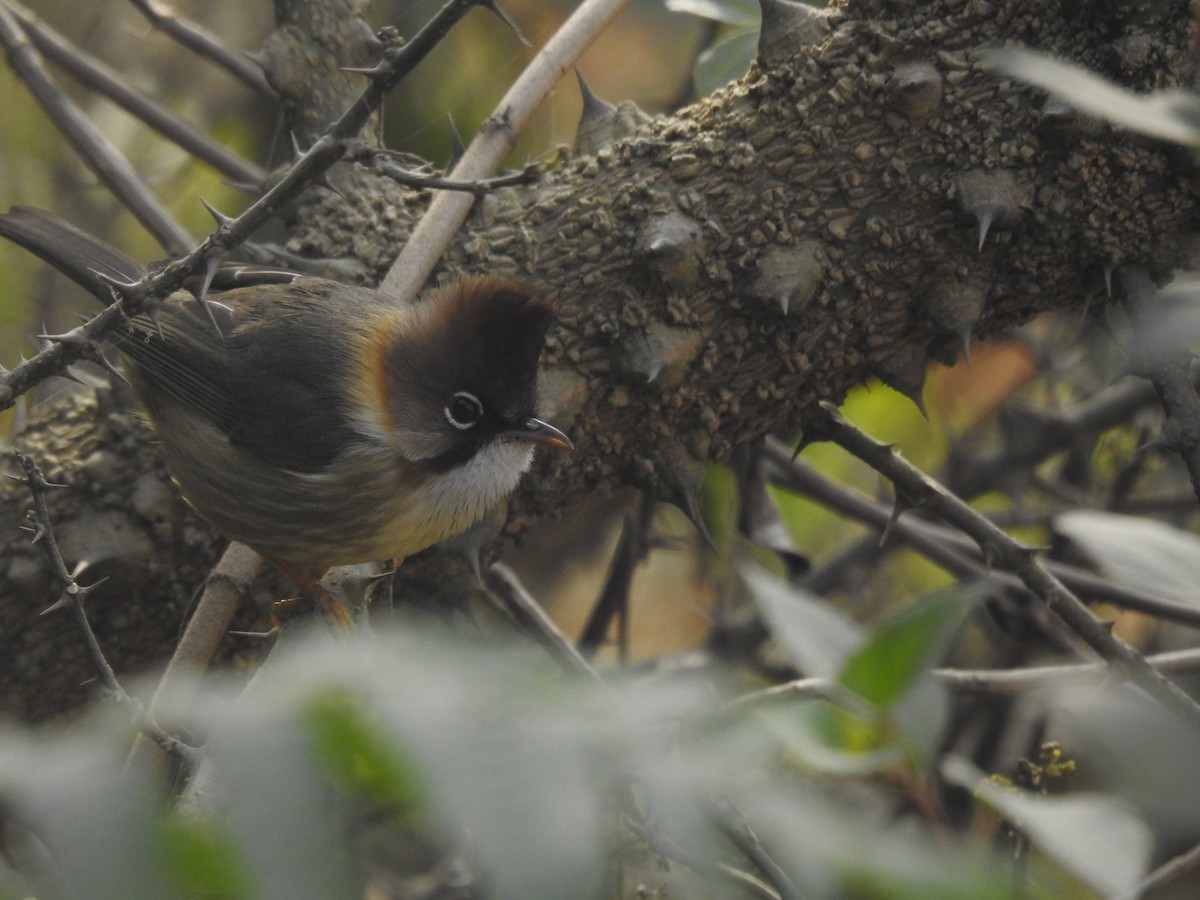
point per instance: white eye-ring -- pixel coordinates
(463, 410)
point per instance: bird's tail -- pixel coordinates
(84, 259)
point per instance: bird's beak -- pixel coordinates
(540, 432)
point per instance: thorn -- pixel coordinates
(786, 27)
(494, 8)
(83, 591)
(593, 106)
(1158, 442)
(905, 375)
(64, 601)
(220, 217)
(985, 215)
(70, 376)
(991, 197)
(596, 120)
(691, 509)
(73, 338)
(802, 445)
(964, 335)
(211, 263)
(113, 370)
(898, 509)
(246, 187)
(126, 289)
(324, 182)
(1028, 553)
(371, 72)
(297, 153)
(457, 148)
(155, 317)
(685, 496)
(1087, 307)
(262, 635)
(679, 481)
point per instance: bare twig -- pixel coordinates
(74, 595)
(227, 584)
(703, 865)
(613, 601)
(492, 143)
(1012, 681)
(919, 489)
(101, 156)
(505, 585)
(1166, 874)
(204, 43)
(731, 823)
(383, 162)
(974, 681)
(102, 78)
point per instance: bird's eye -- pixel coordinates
(463, 410)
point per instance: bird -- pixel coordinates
(321, 423)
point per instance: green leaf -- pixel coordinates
(358, 753)
(888, 665)
(202, 861)
(1172, 115)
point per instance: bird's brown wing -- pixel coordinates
(269, 365)
(263, 361)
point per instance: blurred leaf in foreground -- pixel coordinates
(1172, 115)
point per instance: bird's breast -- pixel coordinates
(438, 505)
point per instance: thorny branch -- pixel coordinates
(918, 489)
(384, 162)
(949, 548)
(73, 597)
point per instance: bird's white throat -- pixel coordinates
(460, 496)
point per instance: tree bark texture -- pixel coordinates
(721, 270)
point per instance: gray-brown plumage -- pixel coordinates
(322, 423)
